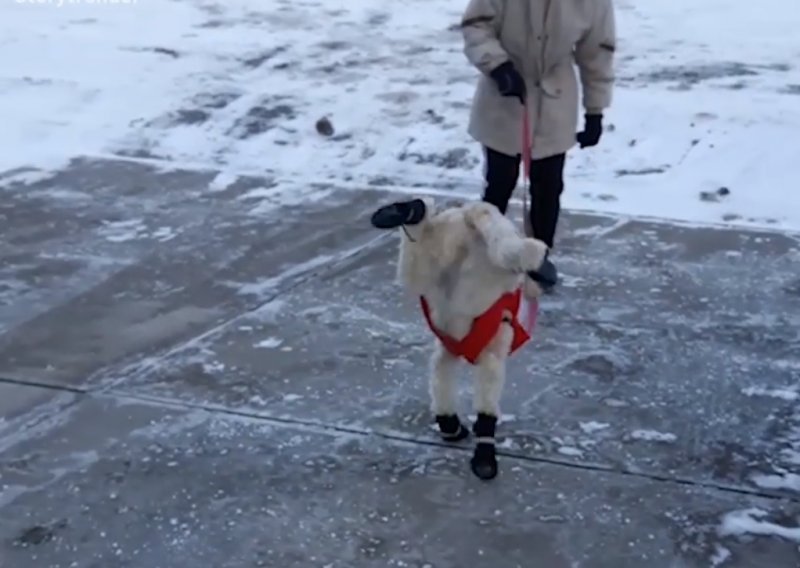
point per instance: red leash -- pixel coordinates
(526, 168)
(530, 308)
(526, 143)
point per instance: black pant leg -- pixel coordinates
(547, 184)
(501, 172)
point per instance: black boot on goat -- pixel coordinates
(484, 459)
(451, 428)
(398, 214)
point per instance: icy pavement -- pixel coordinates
(707, 97)
(197, 370)
(204, 361)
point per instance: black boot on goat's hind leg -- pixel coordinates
(451, 428)
(399, 213)
(484, 459)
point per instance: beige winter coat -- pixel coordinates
(544, 39)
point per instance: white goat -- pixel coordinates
(470, 267)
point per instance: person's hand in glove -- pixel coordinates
(592, 130)
(509, 82)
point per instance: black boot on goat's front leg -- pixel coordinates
(399, 213)
(484, 460)
(451, 428)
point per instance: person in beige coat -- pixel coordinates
(528, 52)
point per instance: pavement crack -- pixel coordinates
(322, 427)
(41, 385)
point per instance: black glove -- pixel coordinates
(592, 130)
(509, 82)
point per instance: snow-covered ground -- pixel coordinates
(708, 97)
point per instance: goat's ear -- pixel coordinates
(477, 215)
(483, 218)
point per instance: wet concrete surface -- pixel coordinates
(198, 373)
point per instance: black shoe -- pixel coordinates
(400, 213)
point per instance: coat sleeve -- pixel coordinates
(594, 55)
(479, 26)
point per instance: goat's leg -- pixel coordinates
(490, 375)
(444, 367)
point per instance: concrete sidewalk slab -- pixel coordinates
(260, 321)
(143, 260)
(169, 487)
(19, 401)
(705, 392)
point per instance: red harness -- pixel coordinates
(484, 328)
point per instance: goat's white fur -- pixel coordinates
(462, 259)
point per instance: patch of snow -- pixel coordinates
(292, 397)
(592, 427)
(653, 436)
(268, 285)
(171, 426)
(750, 522)
(778, 481)
(269, 312)
(213, 367)
(787, 364)
(569, 281)
(222, 181)
(721, 555)
(402, 362)
(259, 193)
(269, 343)
(134, 229)
(90, 76)
(784, 393)
(25, 177)
(83, 79)
(122, 231)
(63, 193)
(506, 444)
(164, 234)
(792, 456)
(570, 451)
(502, 419)
(288, 194)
